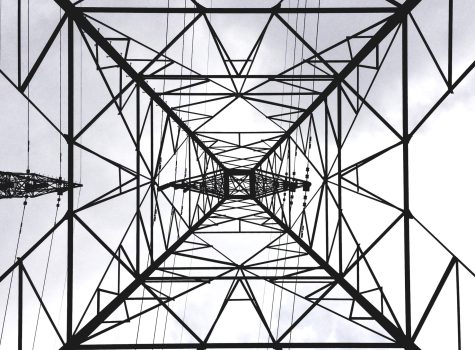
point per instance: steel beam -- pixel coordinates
(236, 10)
(392, 22)
(405, 169)
(83, 23)
(70, 213)
(401, 339)
(82, 335)
(277, 346)
(403, 336)
(20, 307)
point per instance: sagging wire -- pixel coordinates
(176, 170)
(25, 202)
(60, 177)
(307, 168)
(264, 292)
(207, 61)
(11, 276)
(289, 167)
(46, 273)
(280, 238)
(160, 161)
(80, 156)
(186, 156)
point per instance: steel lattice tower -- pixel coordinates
(236, 175)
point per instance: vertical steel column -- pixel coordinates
(189, 176)
(327, 241)
(19, 43)
(137, 180)
(450, 44)
(252, 183)
(226, 183)
(340, 210)
(405, 151)
(152, 181)
(459, 323)
(20, 306)
(70, 286)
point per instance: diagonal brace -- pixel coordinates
(385, 323)
(83, 23)
(393, 21)
(83, 334)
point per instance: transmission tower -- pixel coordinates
(235, 174)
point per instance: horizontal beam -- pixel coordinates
(236, 10)
(290, 279)
(206, 268)
(232, 94)
(245, 346)
(240, 76)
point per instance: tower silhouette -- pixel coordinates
(237, 175)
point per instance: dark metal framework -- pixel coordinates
(190, 181)
(21, 185)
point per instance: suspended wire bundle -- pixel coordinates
(176, 170)
(43, 286)
(159, 162)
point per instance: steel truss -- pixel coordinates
(199, 194)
